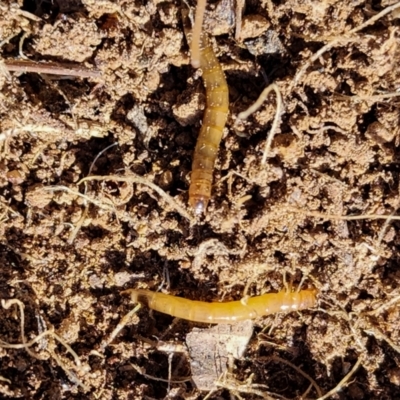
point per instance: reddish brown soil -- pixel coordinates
(67, 258)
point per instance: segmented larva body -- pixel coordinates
(215, 116)
(216, 313)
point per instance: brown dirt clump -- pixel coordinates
(129, 117)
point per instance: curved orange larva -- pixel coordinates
(215, 116)
(233, 311)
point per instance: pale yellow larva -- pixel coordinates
(229, 312)
(215, 116)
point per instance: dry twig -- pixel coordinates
(52, 68)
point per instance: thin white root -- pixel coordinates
(6, 304)
(343, 383)
(154, 378)
(2, 379)
(385, 306)
(381, 336)
(275, 123)
(143, 181)
(3, 69)
(239, 13)
(297, 369)
(316, 214)
(386, 225)
(211, 247)
(124, 321)
(66, 189)
(236, 387)
(344, 38)
(374, 97)
(81, 221)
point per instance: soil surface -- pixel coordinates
(130, 116)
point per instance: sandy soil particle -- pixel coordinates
(68, 249)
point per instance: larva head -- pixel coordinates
(307, 298)
(199, 204)
(200, 188)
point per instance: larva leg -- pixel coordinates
(244, 300)
(303, 278)
(285, 284)
(245, 297)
